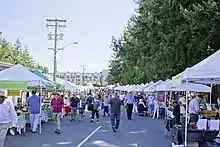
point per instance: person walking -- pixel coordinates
(82, 105)
(57, 104)
(156, 108)
(115, 104)
(95, 110)
(34, 103)
(8, 117)
(74, 104)
(129, 103)
(150, 102)
(106, 106)
(89, 102)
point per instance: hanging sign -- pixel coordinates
(161, 97)
(13, 92)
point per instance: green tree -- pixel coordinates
(16, 54)
(163, 38)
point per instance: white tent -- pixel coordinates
(206, 71)
(152, 86)
(72, 87)
(167, 86)
(147, 85)
(82, 87)
(20, 73)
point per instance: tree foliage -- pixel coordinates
(16, 54)
(97, 84)
(163, 38)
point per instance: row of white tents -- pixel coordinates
(164, 86)
(204, 72)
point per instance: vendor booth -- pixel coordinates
(20, 78)
(205, 72)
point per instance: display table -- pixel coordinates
(193, 135)
(168, 124)
(44, 116)
(21, 124)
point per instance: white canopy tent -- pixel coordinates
(147, 85)
(139, 87)
(152, 86)
(206, 71)
(72, 87)
(20, 73)
(167, 86)
(82, 87)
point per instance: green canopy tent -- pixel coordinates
(49, 84)
(59, 82)
(13, 85)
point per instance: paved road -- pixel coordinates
(143, 131)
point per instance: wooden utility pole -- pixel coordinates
(56, 24)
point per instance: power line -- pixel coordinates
(56, 24)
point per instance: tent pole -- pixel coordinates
(165, 94)
(186, 117)
(40, 120)
(170, 97)
(210, 99)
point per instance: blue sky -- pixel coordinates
(91, 23)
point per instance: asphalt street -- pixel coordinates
(141, 132)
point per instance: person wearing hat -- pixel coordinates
(8, 117)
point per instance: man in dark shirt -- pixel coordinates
(74, 103)
(115, 103)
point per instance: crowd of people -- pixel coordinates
(104, 102)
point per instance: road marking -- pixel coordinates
(89, 136)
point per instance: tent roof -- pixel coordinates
(41, 75)
(167, 86)
(58, 80)
(18, 73)
(152, 86)
(207, 71)
(72, 87)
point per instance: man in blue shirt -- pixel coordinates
(129, 103)
(34, 103)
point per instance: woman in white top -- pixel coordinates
(8, 117)
(156, 108)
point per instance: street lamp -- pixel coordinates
(65, 46)
(56, 50)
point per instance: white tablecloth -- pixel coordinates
(44, 115)
(21, 124)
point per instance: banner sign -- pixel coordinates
(161, 96)
(13, 92)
